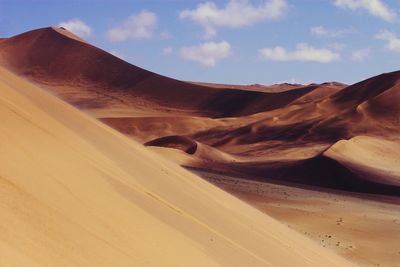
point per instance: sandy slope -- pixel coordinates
(374, 158)
(76, 193)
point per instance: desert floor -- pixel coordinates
(359, 227)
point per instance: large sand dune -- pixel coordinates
(76, 193)
(55, 57)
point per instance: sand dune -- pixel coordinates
(374, 158)
(275, 88)
(253, 87)
(76, 193)
(363, 91)
(70, 64)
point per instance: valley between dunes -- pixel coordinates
(319, 163)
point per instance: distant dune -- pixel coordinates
(70, 64)
(328, 138)
(275, 88)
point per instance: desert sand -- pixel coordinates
(76, 193)
(362, 228)
(332, 147)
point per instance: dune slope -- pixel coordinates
(373, 158)
(77, 193)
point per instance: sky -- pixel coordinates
(229, 41)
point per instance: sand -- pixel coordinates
(374, 158)
(362, 228)
(74, 192)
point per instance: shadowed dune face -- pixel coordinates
(363, 91)
(178, 142)
(322, 172)
(385, 106)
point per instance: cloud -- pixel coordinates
(166, 51)
(236, 13)
(393, 42)
(303, 52)
(138, 26)
(360, 55)
(376, 8)
(331, 33)
(77, 27)
(207, 54)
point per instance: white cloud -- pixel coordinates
(207, 54)
(376, 8)
(303, 52)
(237, 13)
(332, 33)
(77, 27)
(166, 51)
(393, 42)
(138, 26)
(360, 55)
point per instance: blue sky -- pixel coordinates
(230, 41)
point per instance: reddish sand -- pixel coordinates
(321, 137)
